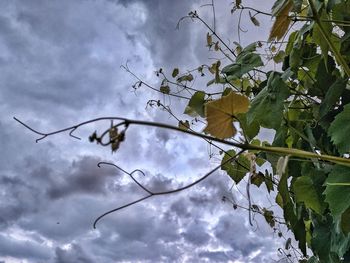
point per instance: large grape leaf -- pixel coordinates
(340, 129)
(338, 195)
(267, 107)
(220, 114)
(305, 191)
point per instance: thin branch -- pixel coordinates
(150, 193)
(130, 175)
(255, 10)
(126, 68)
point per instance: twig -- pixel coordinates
(151, 193)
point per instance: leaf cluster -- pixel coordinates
(307, 104)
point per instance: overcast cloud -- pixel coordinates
(60, 65)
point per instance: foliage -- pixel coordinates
(307, 104)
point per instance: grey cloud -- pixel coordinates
(218, 256)
(18, 198)
(74, 254)
(83, 176)
(172, 47)
(23, 249)
(58, 58)
(196, 233)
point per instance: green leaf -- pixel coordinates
(236, 169)
(164, 89)
(318, 36)
(269, 217)
(332, 96)
(183, 78)
(324, 78)
(250, 48)
(338, 196)
(250, 130)
(279, 57)
(320, 242)
(345, 221)
(313, 259)
(175, 72)
(297, 4)
(292, 38)
(245, 62)
(257, 179)
(305, 191)
(340, 129)
(196, 105)
(267, 107)
(345, 45)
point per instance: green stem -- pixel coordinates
(340, 59)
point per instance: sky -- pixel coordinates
(60, 65)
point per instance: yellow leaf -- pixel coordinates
(282, 22)
(209, 40)
(220, 114)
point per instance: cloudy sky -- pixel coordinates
(60, 65)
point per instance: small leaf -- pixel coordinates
(238, 3)
(236, 169)
(175, 72)
(220, 114)
(184, 125)
(254, 20)
(187, 77)
(196, 104)
(268, 214)
(288, 243)
(114, 138)
(209, 40)
(257, 179)
(165, 89)
(216, 47)
(279, 57)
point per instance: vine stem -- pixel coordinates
(340, 59)
(244, 146)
